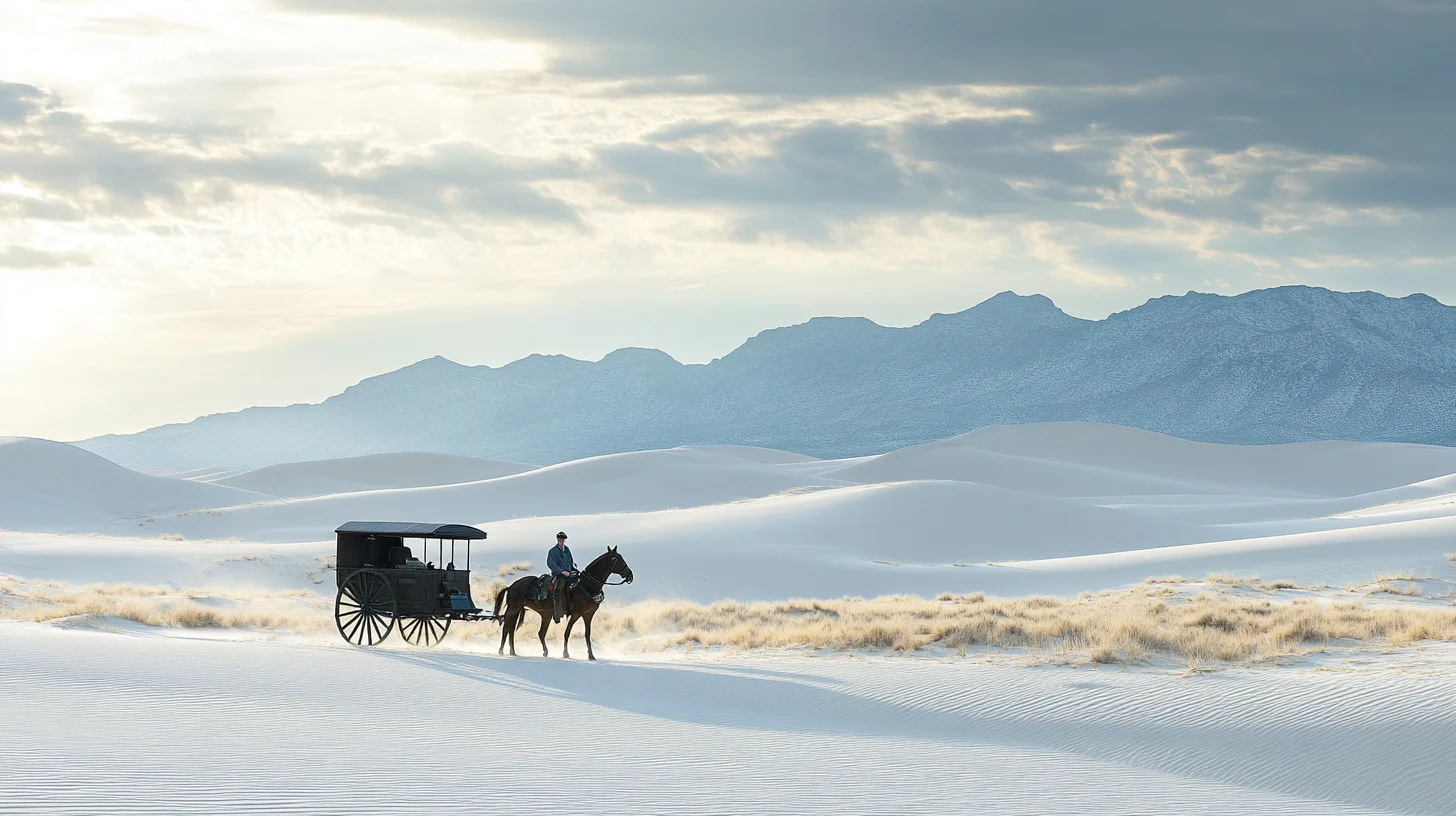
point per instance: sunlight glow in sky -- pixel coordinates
(206, 206)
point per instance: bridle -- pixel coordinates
(626, 579)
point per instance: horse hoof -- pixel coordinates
(589, 657)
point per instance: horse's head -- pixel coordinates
(618, 565)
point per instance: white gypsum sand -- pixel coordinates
(197, 671)
(127, 722)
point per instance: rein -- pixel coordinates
(601, 582)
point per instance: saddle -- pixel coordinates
(540, 590)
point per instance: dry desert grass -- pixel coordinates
(507, 570)
(1126, 626)
(296, 611)
(1395, 588)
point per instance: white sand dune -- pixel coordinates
(769, 456)
(204, 721)
(166, 725)
(351, 474)
(959, 460)
(1084, 459)
(861, 540)
(1319, 468)
(821, 544)
(1059, 508)
(53, 486)
(202, 474)
(628, 482)
(233, 564)
(706, 554)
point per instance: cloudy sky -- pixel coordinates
(205, 206)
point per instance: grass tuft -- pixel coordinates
(507, 570)
(1128, 626)
(1229, 579)
(1123, 627)
(1393, 588)
(295, 611)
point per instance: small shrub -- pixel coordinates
(1231, 580)
(1406, 589)
(507, 570)
(1114, 627)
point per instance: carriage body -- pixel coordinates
(382, 580)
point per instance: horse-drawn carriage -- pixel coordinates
(381, 581)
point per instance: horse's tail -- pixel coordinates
(499, 599)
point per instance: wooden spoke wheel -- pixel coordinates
(423, 630)
(364, 610)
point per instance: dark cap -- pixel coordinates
(560, 535)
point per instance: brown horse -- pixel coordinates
(582, 603)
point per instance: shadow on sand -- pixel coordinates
(1295, 760)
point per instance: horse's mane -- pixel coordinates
(597, 560)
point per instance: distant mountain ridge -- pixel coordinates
(1274, 365)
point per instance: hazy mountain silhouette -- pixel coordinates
(1276, 365)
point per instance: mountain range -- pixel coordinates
(1275, 365)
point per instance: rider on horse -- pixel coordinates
(562, 567)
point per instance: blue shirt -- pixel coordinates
(559, 560)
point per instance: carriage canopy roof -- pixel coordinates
(409, 529)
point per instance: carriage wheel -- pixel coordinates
(364, 610)
(424, 630)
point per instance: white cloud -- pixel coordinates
(255, 198)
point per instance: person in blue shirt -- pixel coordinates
(562, 568)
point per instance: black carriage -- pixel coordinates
(383, 581)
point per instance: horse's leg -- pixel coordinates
(516, 624)
(566, 641)
(589, 655)
(507, 623)
(545, 623)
